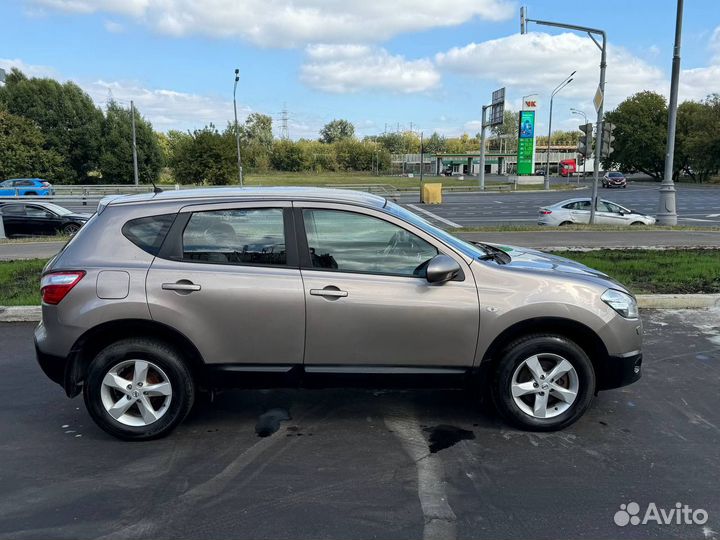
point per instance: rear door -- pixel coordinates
(369, 305)
(227, 277)
(580, 212)
(14, 219)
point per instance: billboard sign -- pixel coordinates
(498, 107)
(526, 143)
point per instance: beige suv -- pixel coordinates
(163, 295)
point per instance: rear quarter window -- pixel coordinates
(148, 233)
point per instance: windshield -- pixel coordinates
(59, 210)
(616, 175)
(463, 247)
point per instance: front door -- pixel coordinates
(367, 300)
(228, 279)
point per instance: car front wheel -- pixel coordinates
(138, 389)
(543, 383)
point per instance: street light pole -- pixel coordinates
(237, 129)
(134, 143)
(591, 32)
(559, 87)
(576, 111)
(667, 213)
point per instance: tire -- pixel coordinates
(513, 371)
(70, 229)
(116, 366)
(565, 223)
(637, 223)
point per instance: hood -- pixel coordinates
(531, 259)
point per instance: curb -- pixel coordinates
(678, 301)
(645, 301)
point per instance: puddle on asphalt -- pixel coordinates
(269, 422)
(444, 436)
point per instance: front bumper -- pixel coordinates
(620, 371)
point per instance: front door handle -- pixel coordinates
(182, 285)
(331, 293)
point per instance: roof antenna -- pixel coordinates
(156, 189)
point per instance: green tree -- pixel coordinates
(69, 120)
(435, 144)
(337, 130)
(640, 134)
(257, 130)
(204, 156)
(288, 156)
(697, 148)
(22, 150)
(116, 158)
(508, 131)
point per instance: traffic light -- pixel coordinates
(580, 160)
(585, 143)
(607, 139)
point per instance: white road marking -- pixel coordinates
(434, 216)
(438, 516)
(697, 219)
(713, 215)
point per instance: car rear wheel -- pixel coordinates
(566, 223)
(543, 383)
(138, 389)
(637, 223)
(70, 229)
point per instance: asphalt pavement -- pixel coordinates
(696, 205)
(352, 464)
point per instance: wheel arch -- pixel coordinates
(95, 339)
(577, 332)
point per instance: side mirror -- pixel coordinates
(441, 268)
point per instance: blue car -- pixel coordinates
(26, 187)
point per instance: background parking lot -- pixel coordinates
(369, 464)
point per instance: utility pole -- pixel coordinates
(667, 212)
(599, 95)
(237, 129)
(284, 132)
(559, 87)
(134, 143)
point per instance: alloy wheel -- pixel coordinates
(136, 392)
(544, 385)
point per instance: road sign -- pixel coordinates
(526, 143)
(497, 108)
(598, 99)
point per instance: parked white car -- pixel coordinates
(573, 211)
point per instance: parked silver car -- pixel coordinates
(573, 211)
(163, 295)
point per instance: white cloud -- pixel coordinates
(291, 23)
(352, 68)
(113, 27)
(166, 109)
(28, 69)
(537, 62)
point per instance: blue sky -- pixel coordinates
(432, 63)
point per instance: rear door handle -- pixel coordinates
(332, 293)
(185, 286)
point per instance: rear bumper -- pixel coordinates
(620, 371)
(52, 366)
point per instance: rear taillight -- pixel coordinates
(55, 286)
(545, 212)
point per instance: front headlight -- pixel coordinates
(623, 303)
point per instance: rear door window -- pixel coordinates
(148, 233)
(236, 236)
